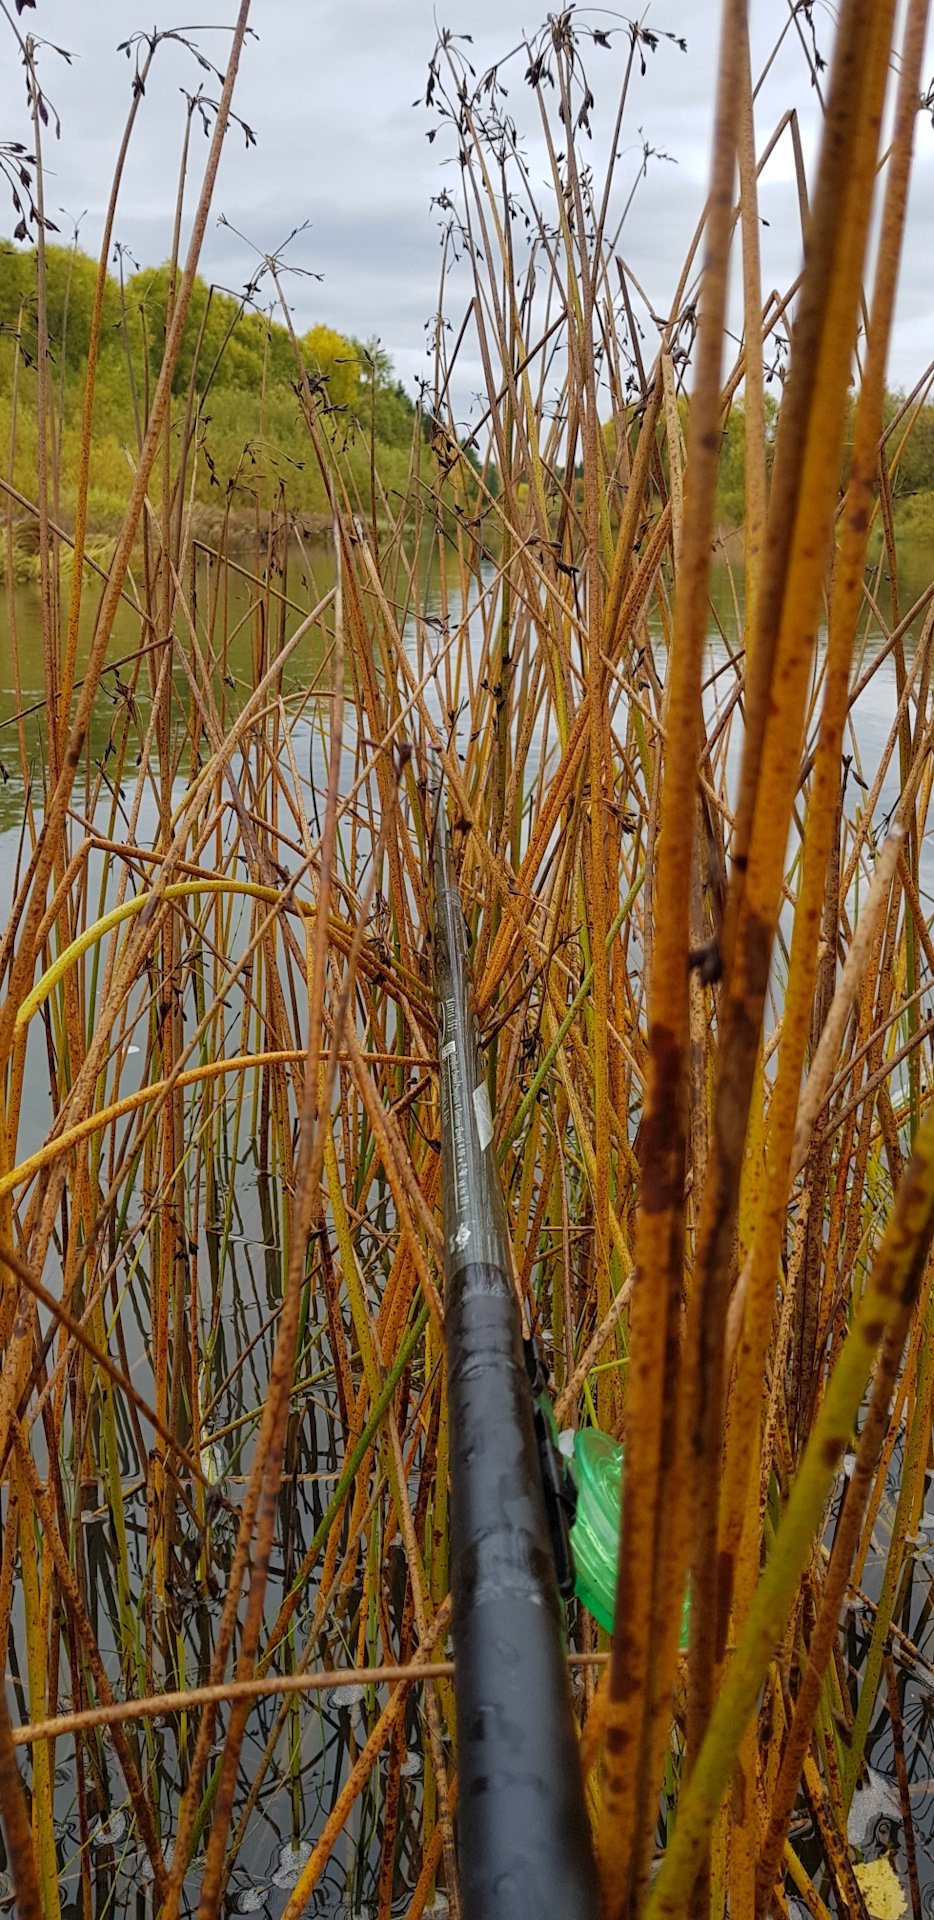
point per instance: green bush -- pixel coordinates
(236, 367)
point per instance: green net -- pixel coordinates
(598, 1470)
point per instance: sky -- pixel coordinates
(342, 151)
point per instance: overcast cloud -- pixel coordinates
(328, 87)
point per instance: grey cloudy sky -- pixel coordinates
(328, 87)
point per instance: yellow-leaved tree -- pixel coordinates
(335, 359)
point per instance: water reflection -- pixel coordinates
(242, 1248)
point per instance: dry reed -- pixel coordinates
(709, 1057)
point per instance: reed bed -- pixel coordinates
(705, 964)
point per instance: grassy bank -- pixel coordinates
(234, 401)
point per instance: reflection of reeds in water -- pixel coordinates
(702, 966)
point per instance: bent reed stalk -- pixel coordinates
(694, 867)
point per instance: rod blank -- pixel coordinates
(523, 1837)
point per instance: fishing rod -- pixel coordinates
(523, 1837)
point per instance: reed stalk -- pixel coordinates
(694, 873)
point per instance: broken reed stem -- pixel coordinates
(258, 1688)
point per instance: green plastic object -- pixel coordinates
(598, 1470)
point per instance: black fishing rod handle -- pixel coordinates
(523, 1837)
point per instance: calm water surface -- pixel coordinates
(331, 1730)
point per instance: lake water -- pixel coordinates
(329, 1730)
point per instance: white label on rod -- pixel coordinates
(482, 1115)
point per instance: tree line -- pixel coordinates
(237, 365)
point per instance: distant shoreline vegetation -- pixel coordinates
(910, 453)
(237, 373)
(237, 368)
